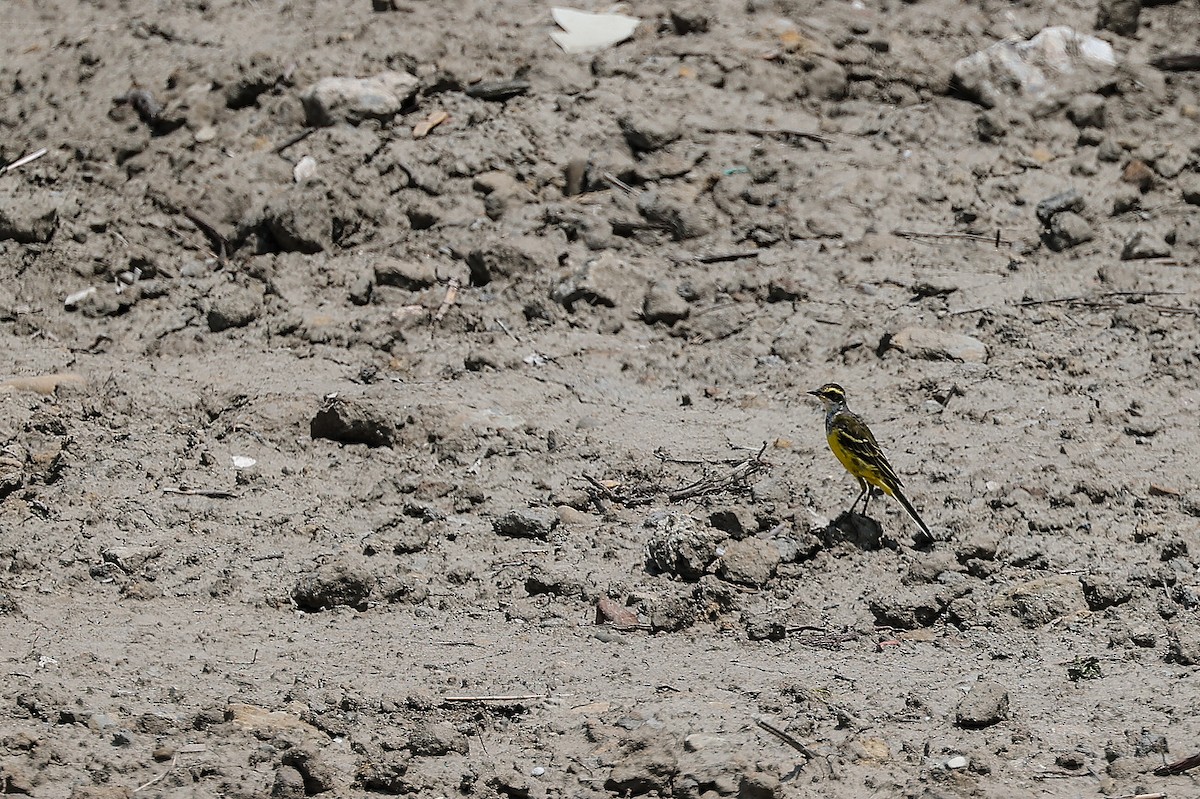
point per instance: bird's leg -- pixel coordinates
(864, 493)
(867, 492)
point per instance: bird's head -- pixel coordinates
(831, 395)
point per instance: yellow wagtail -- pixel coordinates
(855, 446)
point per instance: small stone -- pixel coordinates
(648, 132)
(300, 220)
(663, 304)
(341, 583)
(496, 183)
(1038, 602)
(1190, 189)
(27, 219)
(1070, 200)
(751, 562)
(760, 785)
(1087, 111)
(992, 125)
(353, 421)
(672, 615)
(690, 19)
(736, 520)
(938, 345)
(236, 307)
(1067, 230)
(681, 217)
(405, 274)
(1143, 244)
(1101, 591)
(957, 762)
(986, 704)
(604, 281)
(508, 258)
(827, 80)
(1138, 173)
(340, 99)
(436, 740)
(908, 608)
(1119, 16)
(1125, 200)
(1183, 645)
(288, 784)
(130, 559)
(679, 546)
(527, 523)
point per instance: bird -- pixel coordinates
(854, 445)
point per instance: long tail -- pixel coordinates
(903, 500)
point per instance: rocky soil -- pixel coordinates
(396, 404)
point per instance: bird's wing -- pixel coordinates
(859, 439)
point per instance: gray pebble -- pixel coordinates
(1066, 230)
(338, 99)
(1069, 200)
(1119, 16)
(986, 704)
(526, 523)
(662, 303)
(1143, 244)
(1087, 111)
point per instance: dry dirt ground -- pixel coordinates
(479, 463)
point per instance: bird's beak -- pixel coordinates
(813, 393)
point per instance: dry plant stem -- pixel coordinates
(23, 160)
(495, 698)
(211, 493)
(1178, 766)
(709, 485)
(916, 234)
(452, 287)
(787, 739)
(150, 782)
(294, 139)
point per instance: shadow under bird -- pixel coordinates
(855, 446)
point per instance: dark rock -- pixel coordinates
(507, 258)
(27, 219)
(337, 99)
(681, 547)
(736, 520)
(315, 773)
(400, 535)
(682, 218)
(760, 785)
(690, 19)
(663, 304)
(603, 281)
(1119, 16)
(851, 528)
(1143, 244)
(1138, 173)
(648, 132)
(334, 584)
(672, 614)
(908, 608)
(384, 775)
(289, 784)
(827, 80)
(985, 705)
(300, 220)
(1101, 591)
(751, 561)
(992, 125)
(1040, 601)
(353, 421)
(1067, 229)
(527, 523)
(235, 307)
(553, 579)
(1070, 200)
(764, 627)
(404, 274)
(1189, 188)
(1086, 111)
(436, 740)
(1184, 645)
